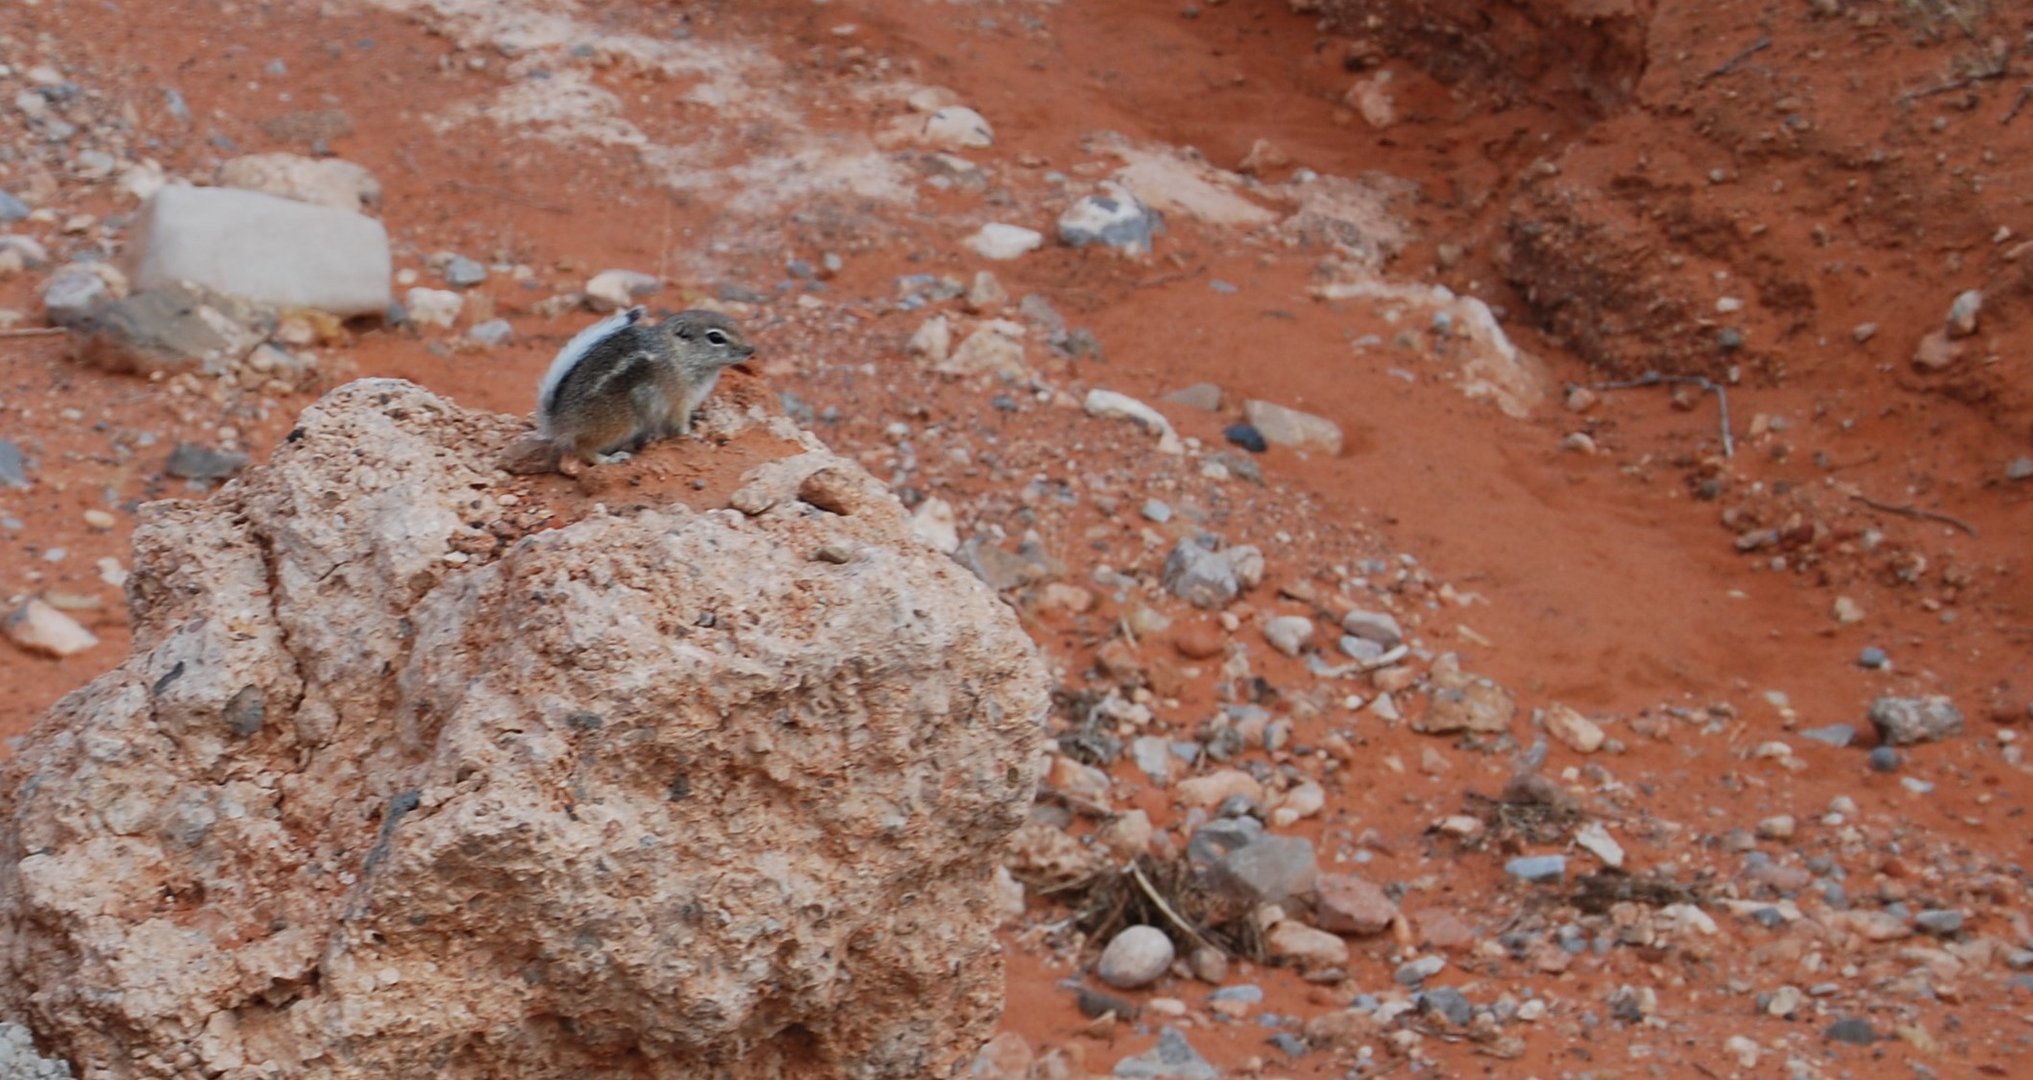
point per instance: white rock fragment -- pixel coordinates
(1137, 957)
(933, 341)
(996, 348)
(1001, 242)
(1290, 427)
(612, 290)
(1575, 731)
(1289, 634)
(1108, 403)
(433, 307)
(935, 526)
(262, 248)
(1597, 841)
(39, 628)
(957, 127)
(340, 185)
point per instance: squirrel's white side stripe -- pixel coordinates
(574, 351)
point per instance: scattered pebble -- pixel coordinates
(1939, 922)
(1870, 656)
(1574, 730)
(1538, 869)
(193, 462)
(1884, 759)
(612, 290)
(1157, 510)
(1003, 242)
(1114, 219)
(100, 520)
(1289, 634)
(1137, 957)
(1290, 427)
(464, 273)
(1173, 1058)
(490, 333)
(1415, 972)
(1904, 721)
(1855, 1030)
(1247, 437)
(38, 627)
(1450, 1003)
(1962, 314)
(13, 465)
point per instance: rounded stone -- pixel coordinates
(1137, 957)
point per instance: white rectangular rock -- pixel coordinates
(266, 249)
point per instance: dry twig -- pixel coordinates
(1730, 64)
(33, 331)
(1915, 512)
(1171, 916)
(2025, 95)
(1653, 378)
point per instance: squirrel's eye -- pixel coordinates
(716, 337)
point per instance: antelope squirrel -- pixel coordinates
(621, 382)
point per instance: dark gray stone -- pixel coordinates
(1837, 735)
(11, 208)
(462, 272)
(1884, 759)
(194, 462)
(1172, 1059)
(1855, 1030)
(1450, 1003)
(1272, 869)
(1940, 922)
(1200, 577)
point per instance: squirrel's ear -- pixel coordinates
(634, 315)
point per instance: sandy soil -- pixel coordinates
(1864, 166)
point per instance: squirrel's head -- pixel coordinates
(708, 336)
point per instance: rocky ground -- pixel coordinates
(1447, 683)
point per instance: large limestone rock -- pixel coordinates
(407, 779)
(262, 248)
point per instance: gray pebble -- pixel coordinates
(193, 462)
(1247, 993)
(1939, 921)
(1855, 1031)
(1172, 1059)
(1873, 657)
(11, 208)
(1449, 1003)
(1837, 735)
(1157, 510)
(1884, 759)
(1418, 971)
(462, 272)
(13, 466)
(1538, 868)
(1291, 1044)
(2019, 468)
(491, 332)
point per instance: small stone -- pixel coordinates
(193, 462)
(1415, 972)
(1376, 626)
(432, 307)
(1855, 1030)
(1211, 790)
(1939, 922)
(13, 466)
(996, 348)
(1290, 427)
(1574, 730)
(1206, 397)
(490, 333)
(1137, 957)
(2019, 468)
(935, 525)
(38, 627)
(1114, 219)
(1173, 1058)
(1847, 611)
(72, 294)
(1197, 641)
(957, 127)
(1904, 721)
(1004, 242)
(1936, 352)
(1784, 1002)
(1836, 735)
(613, 290)
(1884, 759)
(1305, 946)
(1351, 904)
(99, 520)
(1870, 656)
(1962, 314)
(1597, 841)
(12, 209)
(1247, 437)
(985, 293)
(464, 273)
(1199, 576)
(933, 341)
(1289, 634)
(1480, 705)
(1538, 869)
(1271, 870)
(1778, 827)
(329, 182)
(1863, 332)
(1156, 510)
